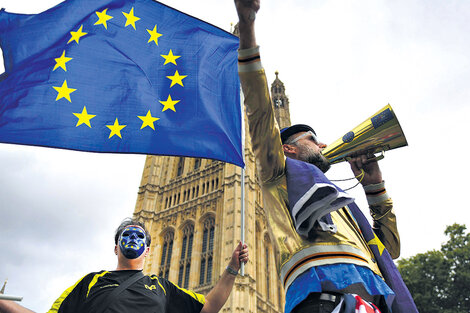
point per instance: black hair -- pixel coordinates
(127, 222)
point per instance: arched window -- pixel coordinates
(267, 273)
(258, 256)
(185, 260)
(166, 255)
(207, 253)
(180, 167)
(267, 243)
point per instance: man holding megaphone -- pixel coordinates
(329, 258)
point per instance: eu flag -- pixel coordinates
(124, 76)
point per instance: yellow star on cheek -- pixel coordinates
(77, 35)
(103, 18)
(130, 18)
(60, 62)
(154, 35)
(176, 79)
(170, 58)
(376, 241)
(148, 120)
(115, 129)
(64, 91)
(169, 104)
(84, 117)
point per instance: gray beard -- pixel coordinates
(307, 154)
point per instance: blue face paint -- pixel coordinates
(132, 242)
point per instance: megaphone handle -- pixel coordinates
(370, 157)
(376, 158)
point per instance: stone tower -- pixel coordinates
(280, 102)
(192, 209)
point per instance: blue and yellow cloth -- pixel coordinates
(124, 76)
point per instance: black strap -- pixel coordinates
(102, 306)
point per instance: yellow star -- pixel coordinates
(60, 62)
(115, 129)
(376, 241)
(148, 120)
(169, 104)
(170, 58)
(154, 35)
(77, 35)
(64, 91)
(130, 18)
(176, 79)
(103, 18)
(84, 117)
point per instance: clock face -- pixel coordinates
(278, 102)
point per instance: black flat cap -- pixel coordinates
(294, 129)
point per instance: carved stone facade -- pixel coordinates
(192, 209)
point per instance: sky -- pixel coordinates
(340, 61)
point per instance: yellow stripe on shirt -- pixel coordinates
(200, 298)
(56, 305)
(158, 280)
(94, 280)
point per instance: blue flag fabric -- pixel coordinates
(313, 197)
(125, 76)
(403, 301)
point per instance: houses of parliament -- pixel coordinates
(192, 209)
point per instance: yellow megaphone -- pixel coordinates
(377, 134)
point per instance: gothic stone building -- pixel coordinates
(192, 209)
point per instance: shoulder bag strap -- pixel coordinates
(102, 306)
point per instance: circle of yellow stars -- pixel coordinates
(84, 118)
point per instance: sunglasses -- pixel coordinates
(309, 133)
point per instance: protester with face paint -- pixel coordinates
(100, 291)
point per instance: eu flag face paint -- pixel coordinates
(132, 242)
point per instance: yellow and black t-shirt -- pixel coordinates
(148, 294)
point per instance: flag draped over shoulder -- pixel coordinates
(308, 176)
(125, 76)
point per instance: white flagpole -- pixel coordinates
(242, 266)
(242, 180)
(12, 298)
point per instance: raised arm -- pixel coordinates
(217, 297)
(264, 131)
(247, 10)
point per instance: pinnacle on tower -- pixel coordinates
(280, 102)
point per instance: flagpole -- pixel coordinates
(12, 298)
(242, 265)
(242, 180)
